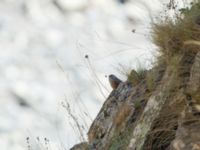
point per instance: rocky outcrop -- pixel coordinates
(116, 109)
(158, 116)
(187, 135)
(80, 146)
(163, 116)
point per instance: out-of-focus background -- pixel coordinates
(59, 52)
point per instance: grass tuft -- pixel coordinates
(170, 34)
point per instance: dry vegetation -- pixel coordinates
(122, 114)
(174, 37)
(177, 39)
(172, 34)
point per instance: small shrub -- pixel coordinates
(137, 104)
(136, 76)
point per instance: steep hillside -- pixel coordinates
(157, 109)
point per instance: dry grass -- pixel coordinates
(164, 128)
(39, 143)
(170, 35)
(77, 126)
(122, 114)
(136, 76)
(124, 70)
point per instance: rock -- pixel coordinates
(193, 85)
(80, 146)
(197, 21)
(109, 117)
(152, 110)
(187, 135)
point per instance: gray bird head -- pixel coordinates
(114, 78)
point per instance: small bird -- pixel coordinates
(114, 81)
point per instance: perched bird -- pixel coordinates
(114, 81)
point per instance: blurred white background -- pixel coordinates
(43, 44)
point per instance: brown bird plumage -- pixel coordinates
(114, 81)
